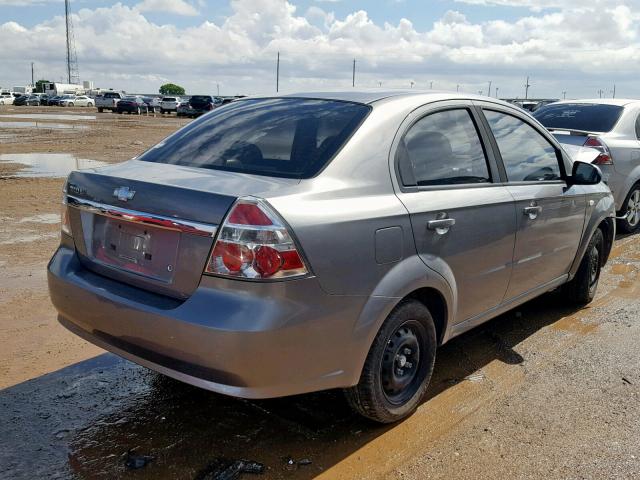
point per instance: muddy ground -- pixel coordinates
(546, 391)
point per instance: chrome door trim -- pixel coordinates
(151, 219)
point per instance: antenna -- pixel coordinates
(73, 75)
(526, 89)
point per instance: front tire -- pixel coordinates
(398, 367)
(582, 289)
(630, 223)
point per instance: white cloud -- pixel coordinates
(178, 7)
(575, 49)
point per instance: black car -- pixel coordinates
(152, 103)
(202, 104)
(55, 101)
(132, 105)
(33, 100)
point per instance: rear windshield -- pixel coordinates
(588, 117)
(168, 99)
(201, 98)
(111, 95)
(285, 137)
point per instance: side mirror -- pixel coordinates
(585, 174)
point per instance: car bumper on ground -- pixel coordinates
(245, 339)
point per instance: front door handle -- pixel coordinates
(441, 225)
(533, 211)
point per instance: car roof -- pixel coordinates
(368, 96)
(621, 102)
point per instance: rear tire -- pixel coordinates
(398, 367)
(582, 289)
(631, 211)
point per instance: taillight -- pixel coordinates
(65, 224)
(604, 158)
(254, 243)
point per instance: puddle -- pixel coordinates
(48, 164)
(50, 116)
(44, 125)
(46, 218)
(7, 137)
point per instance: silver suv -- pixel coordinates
(612, 126)
(277, 246)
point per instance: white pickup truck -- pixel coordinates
(108, 101)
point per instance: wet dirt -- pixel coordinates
(535, 393)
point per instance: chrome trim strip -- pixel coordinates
(159, 221)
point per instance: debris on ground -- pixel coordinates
(225, 469)
(135, 462)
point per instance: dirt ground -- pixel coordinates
(546, 391)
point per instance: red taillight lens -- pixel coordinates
(254, 243)
(605, 154)
(64, 213)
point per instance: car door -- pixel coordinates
(463, 219)
(549, 212)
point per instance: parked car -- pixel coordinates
(6, 98)
(613, 127)
(170, 104)
(153, 104)
(132, 104)
(32, 100)
(284, 245)
(108, 101)
(44, 99)
(55, 101)
(201, 104)
(77, 101)
(186, 110)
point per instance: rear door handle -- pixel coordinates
(532, 211)
(441, 225)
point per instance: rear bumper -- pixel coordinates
(245, 339)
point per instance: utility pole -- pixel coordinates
(600, 92)
(480, 92)
(278, 73)
(489, 94)
(497, 92)
(412, 83)
(614, 91)
(431, 85)
(218, 88)
(457, 87)
(353, 75)
(32, 81)
(380, 84)
(526, 89)
(564, 95)
(73, 76)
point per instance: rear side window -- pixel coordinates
(587, 117)
(443, 148)
(526, 154)
(286, 137)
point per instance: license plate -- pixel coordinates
(135, 248)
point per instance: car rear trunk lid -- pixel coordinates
(153, 225)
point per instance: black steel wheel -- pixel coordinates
(581, 290)
(399, 365)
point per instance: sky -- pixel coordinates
(577, 48)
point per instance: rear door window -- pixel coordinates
(443, 148)
(586, 117)
(527, 156)
(288, 137)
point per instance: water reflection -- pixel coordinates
(48, 164)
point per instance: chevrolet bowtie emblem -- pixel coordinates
(123, 193)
